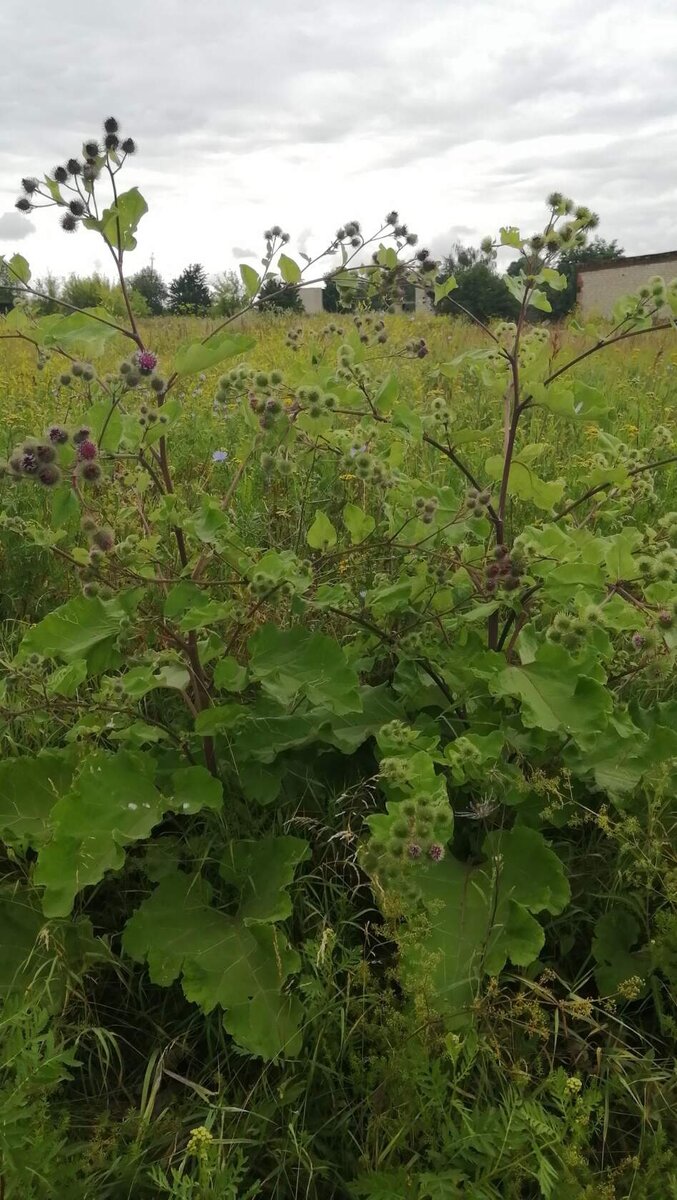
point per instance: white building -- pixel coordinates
(601, 284)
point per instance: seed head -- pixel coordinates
(77, 208)
(414, 851)
(111, 141)
(111, 125)
(69, 223)
(74, 166)
(104, 539)
(89, 472)
(87, 450)
(92, 149)
(29, 461)
(49, 474)
(30, 185)
(23, 204)
(60, 174)
(57, 434)
(81, 434)
(45, 452)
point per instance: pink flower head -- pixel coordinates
(146, 361)
(87, 450)
(414, 850)
(436, 852)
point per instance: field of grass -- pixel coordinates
(559, 1082)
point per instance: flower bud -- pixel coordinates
(49, 474)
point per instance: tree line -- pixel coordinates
(481, 290)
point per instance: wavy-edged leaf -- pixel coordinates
(221, 961)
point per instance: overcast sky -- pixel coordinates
(461, 114)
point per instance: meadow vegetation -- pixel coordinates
(338, 732)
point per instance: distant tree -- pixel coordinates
(85, 291)
(331, 297)
(149, 283)
(276, 296)
(598, 250)
(93, 291)
(481, 291)
(189, 292)
(50, 287)
(6, 295)
(228, 294)
(115, 302)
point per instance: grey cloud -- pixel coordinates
(515, 93)
(241, 252)
(14, 227)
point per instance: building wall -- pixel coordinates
(599, 288)
(311, 299)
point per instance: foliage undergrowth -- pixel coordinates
(338, 729)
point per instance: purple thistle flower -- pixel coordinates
(87, 450)
(146, 361)
(414, 850)
(29, 462)
(57, 435)
(638, 640)
(436, 852)
(219, 456)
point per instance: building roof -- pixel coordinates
(606, 264)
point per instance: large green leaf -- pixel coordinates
(576, 400)
(524, 483)
(35, 959)
(75, 628)
(262, 871)
(616, 933)
(222, 961)
(119, 223)
(358, 523)
(555, 694)
(112, 802)
(289, 270)
(322, 533)
(200, 356)
(478, 917)
(250, 278)
(19, 268)
(140, 680)
(88, 331)
(295, 662)
(193, 789)
(29, 789)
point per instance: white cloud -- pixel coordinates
(14, 227)
(461, 116)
